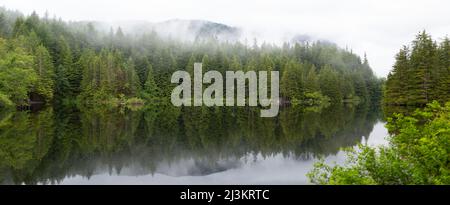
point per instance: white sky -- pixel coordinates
(377, 27)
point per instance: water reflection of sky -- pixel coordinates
(276, 169)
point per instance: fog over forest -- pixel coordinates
(378, 28)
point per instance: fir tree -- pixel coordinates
(422, 66)
(45, 71)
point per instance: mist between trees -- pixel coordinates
(50, 60)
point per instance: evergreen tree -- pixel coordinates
(168, 65)
(45, 71)
(19, 27)
(89, 64)
(151, 91)
(190, 65)
(312, 81)
(235, 63)
(347, 86)
(132, 85)
(422, 66)
(4, 29)
(62, 85)
(397, 84)
(330, 84)
(360, 86)
(142, 69)
(206, 63)
(66, 74)
(292, 85)
(443, 71)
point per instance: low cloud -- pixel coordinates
(378, 28)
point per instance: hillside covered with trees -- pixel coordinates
(47, 59)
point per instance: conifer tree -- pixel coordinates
(422, 67)
(151, 91)
(4, 30)
(206, 63)
(45, 71)
(292, 85)
(330, 84)
(62, 85)
(397, 84)
(443, 73)
(65, 73)
(132, 85)
(312, 80)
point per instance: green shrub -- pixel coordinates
(419, 153)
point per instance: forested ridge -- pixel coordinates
(47, 59)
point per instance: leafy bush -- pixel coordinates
(5, 101)
(419, 153)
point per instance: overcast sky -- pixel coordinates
(377, 27)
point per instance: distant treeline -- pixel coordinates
(54, 61)
(421, 73)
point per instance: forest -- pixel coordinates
(103, 99)
(48, 60)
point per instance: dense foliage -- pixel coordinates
(48, 59)
(419, 143)
(420, 74)
(419, 153)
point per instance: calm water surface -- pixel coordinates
(168, 145)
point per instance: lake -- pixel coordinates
(171, 145)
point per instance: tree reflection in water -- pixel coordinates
(55, 143)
